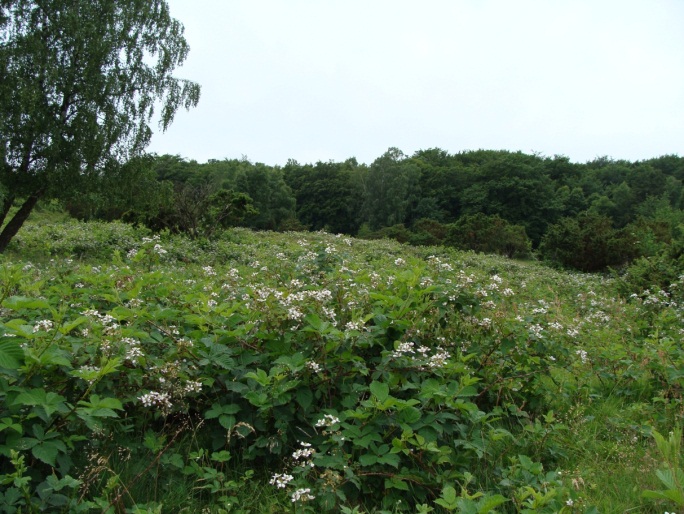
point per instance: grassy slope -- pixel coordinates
(604, 357)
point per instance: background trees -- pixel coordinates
(79, 81)
(588, 216)
(328, 195)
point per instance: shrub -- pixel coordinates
(489, 234)
(587, 243)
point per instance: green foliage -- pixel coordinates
(588, 243)
(428, 232)
(129, 192)
(276, 371)
(515, 187)
(389, 189)
(80, 82)
(671, 475)
(489, 234)
(328, 195)
(607, 209)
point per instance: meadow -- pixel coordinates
(307, 372)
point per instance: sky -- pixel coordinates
(327, 80)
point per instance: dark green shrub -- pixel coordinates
(587, 243)
(489, 234)
(427, 232)
(397, 232)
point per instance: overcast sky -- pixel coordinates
(321, 80)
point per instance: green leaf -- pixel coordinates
(449, 494)
(257, 398)
(227, 421)
(47, 452)
(51, 402)
(20, 327)
(431, 388)
(396, 483)
(48, 448)
(222, 456)
(8, 423)
(261, 377)
(293, 362)
(669, 494)
(390, 458)
(368, 459)
(217, 410)
(11, 355)
(380, 390)
(408, 415)
(488, 504)
(99, 407)
(22, 302)
(448, 499)
(57, 484)
(54, 356)
(68, 327)
(305, 397)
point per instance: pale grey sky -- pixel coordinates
(332, 79)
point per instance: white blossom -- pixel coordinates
(280, 480)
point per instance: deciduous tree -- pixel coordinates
(79, 83)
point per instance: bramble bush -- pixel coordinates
(335, 373)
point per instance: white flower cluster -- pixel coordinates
(280, 480)
(327, 420)
(133, 350)
(156, 399)
(303, 453)
(399, 262)
(439, 360)
(536, 330)
(302, 495)
(426, 281)
(294, 314)
(109, 321)
(43, 325)
(314, 366)
(192, 387)
(582, 355)
(403, 349)
(484, 322)
(354, 325)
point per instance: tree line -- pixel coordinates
(586, 216)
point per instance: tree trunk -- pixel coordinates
(6, 206)
(18, 220)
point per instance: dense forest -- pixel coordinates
(604, 213)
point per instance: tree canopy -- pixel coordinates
(79, 84)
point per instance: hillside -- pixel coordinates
(271, 372)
